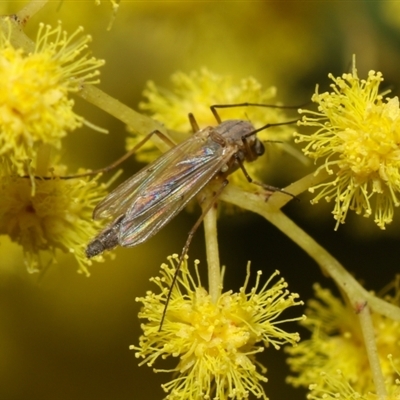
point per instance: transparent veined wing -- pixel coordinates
(121, 198)
(153, 196)
(137, 227)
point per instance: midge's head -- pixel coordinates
(242, 135)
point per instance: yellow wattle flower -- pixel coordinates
(56, 216)
(215, 343)
(337, 344)
(357, 135)
(34, 105)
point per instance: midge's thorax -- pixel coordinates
(147, 201)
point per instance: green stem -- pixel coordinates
(367, 329)
(136, 121)
(211, 240)
(356, 293)
(29, 10)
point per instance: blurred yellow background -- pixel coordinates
(65, 336)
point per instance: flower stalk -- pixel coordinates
(356, 293)
(364, 317)
(29, 10)
(211, 241)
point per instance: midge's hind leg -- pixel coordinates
(116, 163)
(214, 107)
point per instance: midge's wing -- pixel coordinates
(154, 174)
(161, 200)
(159, 179)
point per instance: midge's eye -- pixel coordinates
(259, 148)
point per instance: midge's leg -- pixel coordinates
(218, 118)
(246, 174)
(187, 245)
(268, 188)
(193, 123)
(115, 164)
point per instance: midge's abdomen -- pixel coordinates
(105, 240)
